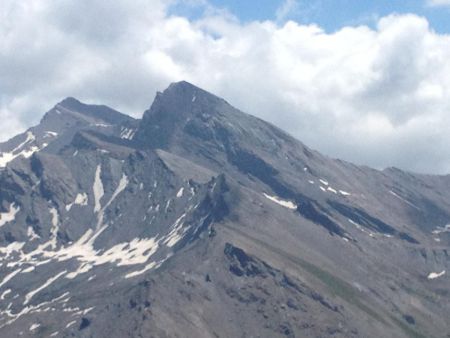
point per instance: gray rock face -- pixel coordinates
(202, 221)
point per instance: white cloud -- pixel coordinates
(286, 9)
(374, 96)
(438, 3)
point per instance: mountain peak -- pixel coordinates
(93, 112)
(183, 84)
(189, 94)
(173, 108)
(70, 102)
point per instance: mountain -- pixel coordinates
(61, 123)
(202, 221)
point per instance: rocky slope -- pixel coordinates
(202, 221)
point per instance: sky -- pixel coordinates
(364, 81)
(332, 15)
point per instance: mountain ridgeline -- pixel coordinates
(202, 221)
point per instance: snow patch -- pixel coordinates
(29, 309)
(9, 277)
(440, 230)
(70, 324)
(12, 247)
(20, 150)
(80, 199)
(127, 133)
(286, 204)
(31, 234)
(83, 268)
(323, 182)
(98, 189)
(30, 138)
(86, 311)
(5, 293)
(50, 134)
(34, 326)
(176, 233)
(435, 275)
(332, 190)
(121, 187)
(137, 251)
(10, 215)
(167, 205)
(403, 199)
(55, 227)
(180, 193)
(359, 227)
(148, 267)
(30, 294)
(29, 269)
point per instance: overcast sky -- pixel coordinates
(368, 86)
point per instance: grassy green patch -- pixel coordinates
(340, 288)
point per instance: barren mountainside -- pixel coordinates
(202, 221)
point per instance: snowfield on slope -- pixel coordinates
(283, 203)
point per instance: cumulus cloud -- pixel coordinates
(378, 96)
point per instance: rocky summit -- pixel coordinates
(202, 221)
